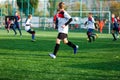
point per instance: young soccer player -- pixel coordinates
(101, 25)
(114, 27)
(63, 20)
(9, 20)
(91, 27)
(28, 27)
(17, 23)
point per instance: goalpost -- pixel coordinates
(101, 14)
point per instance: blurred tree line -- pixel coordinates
(31, 7)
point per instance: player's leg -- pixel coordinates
(13, 26)
(33, 34)
(6, 27)
(113, 34)
(89, 36)
(117, 32)
(56, 48)
(18, 27)
(75, 47)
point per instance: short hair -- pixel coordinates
(61, 5)
(90, 13)
(30, 15)
(58, 10)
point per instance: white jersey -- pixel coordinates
(27, 25)
(90, 23)
(63, 17)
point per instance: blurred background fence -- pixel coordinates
(44, 10)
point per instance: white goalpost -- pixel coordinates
(94, 12)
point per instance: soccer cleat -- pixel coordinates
(33, 40)
(117, 36)
(75, 49)
(52, 56)
(114, 39)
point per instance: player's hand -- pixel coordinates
(63, 26)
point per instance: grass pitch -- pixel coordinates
(21, 59)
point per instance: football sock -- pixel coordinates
(89, 38)
(93, 38)
(71, 44)
(14, 31)
(20, 32)
(114, 36)
(33, 36)
(56, 49)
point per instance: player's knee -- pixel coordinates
(57, 41)
(88, 33)
(65, 41)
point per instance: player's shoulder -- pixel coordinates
(62, 12)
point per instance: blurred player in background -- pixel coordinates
(101, 25)
(28, 27)
(63, 21)
(9, 23)
(90, 24)
(115, 29)
(17, 23)
(118, 21)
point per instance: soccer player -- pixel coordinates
(28, 27)
(114, 27)
(101, 25)
(10, 23)
(17, 23)
(118, 21)
(63, 20)
(91, 27)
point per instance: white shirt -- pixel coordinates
(27, 25)
(62, 19)
(90, 23)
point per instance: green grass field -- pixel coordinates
(21, 59)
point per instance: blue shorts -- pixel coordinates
(90, 30)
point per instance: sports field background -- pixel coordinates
(21, 59)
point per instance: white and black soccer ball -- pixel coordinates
(76, 19)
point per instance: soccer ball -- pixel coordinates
(76, 19)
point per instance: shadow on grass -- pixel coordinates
(5, 79)
(26, 44)
(107, 66)
(47, 44)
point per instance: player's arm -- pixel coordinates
(68, 22)
(19, 19)
(66, 15)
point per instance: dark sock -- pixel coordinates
(33, 36)
(56, 49)
(71, 44)
(114, 36)
(93, 38)
(20, 32)
(89, 38)
(14, 31)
